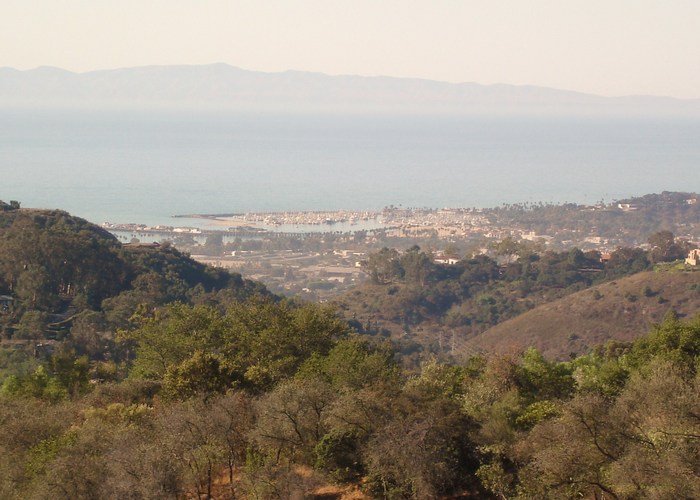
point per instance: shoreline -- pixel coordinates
(261, 223)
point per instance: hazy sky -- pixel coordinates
(609, 47)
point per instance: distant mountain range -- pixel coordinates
(224, 87)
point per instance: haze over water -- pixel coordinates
(131, 167)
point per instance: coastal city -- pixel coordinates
(319, 253)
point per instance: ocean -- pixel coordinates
(144, 167)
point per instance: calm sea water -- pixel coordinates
(145, 167)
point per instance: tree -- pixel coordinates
(255, 344)
(508, 248)
(383, 266)
(290, 419)
(70, 371)
(664, 247)
(673, 340)
(32, 325)
(13, 205)
(656, 418)
(353, 417)
(269, 341)
(568, 456)
(87, 336)
(643, 444)
(166, 340)
(25, 423)
(201, 374)
(539, 379)
(417, 265)
(34, 288)
(353, 363)
(426, 452)
(214, 244)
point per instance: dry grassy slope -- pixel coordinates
(616, 310)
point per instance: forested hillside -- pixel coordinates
(68, 286)
(264, 401)
(134, 372)
(412, 297)
(628, 221)
(58, 268)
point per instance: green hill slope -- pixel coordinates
(619, 310)
(55, 265)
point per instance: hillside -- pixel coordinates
(55, 266)
(171, 379)
(621, 310)
(268, 401)
(627, 222)
(429, 307)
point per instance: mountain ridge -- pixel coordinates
(221, 86)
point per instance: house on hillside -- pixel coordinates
(138, 244)
(6, 303)
(450, 261)
(693, 257)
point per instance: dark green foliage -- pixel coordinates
(424, 451)
(47, 255)
(626, 261)
(32, 325)
(353, 363)
(672, 340)
(539, 379)
(255, 344)
(201, 374)
(167, 275)
(384, 266)
(629, 431)
(337, 454)
(643, 444)
(6, 207)
(55, 263)
(665, 248)
(477, 293)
